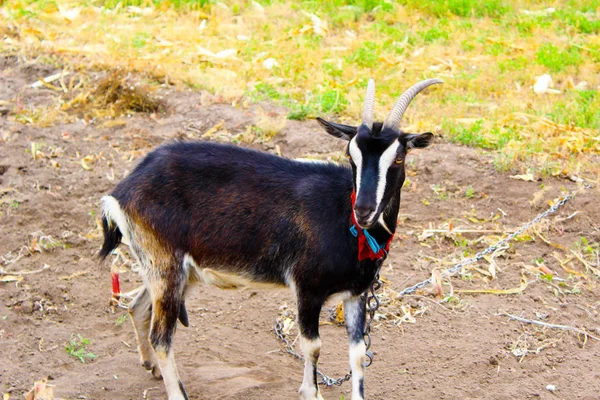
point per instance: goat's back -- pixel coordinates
(237, 209)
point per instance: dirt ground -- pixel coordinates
(457, 349)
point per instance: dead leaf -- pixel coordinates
(436, 282)
(528, 177)
(214, 129)
(11, 278)
(516, 290)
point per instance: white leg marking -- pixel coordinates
(170, 375)
(357, 366)
(357, 349)
(310, 349)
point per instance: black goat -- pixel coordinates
(232, 217)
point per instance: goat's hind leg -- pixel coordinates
(166, 287)
(140, 310)
(355, 315)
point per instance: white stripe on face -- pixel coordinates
(385, 162)
(357, 158)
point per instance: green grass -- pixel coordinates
(460, 8)
(76, 347)
(578, 108)
(558, 59)
(488, 52)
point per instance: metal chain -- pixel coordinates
(289, 348)
(452, 271)
(372, 305)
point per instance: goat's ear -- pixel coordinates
(341, 131)
(414, 141)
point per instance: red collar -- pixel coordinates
(367, 245)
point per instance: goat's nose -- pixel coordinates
(362, 213)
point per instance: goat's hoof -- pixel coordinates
(147, 365)
(156, 372)
(308, 394)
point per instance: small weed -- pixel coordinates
(584, 245)
(15, 204)
(121, 319)
(139, 40)
(470, 192)
(440, 191)
(76, 348)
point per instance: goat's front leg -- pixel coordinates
(354, 315)
(309, 308)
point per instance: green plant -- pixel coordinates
(121, 319)
(470, 192)
(557, 60)
(76, 348)
(365, 56)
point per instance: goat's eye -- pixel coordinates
(398, 161)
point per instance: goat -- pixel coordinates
(233, 217)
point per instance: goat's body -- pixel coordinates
(280, 204)
(232, 217)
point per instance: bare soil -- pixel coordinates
(459, 349)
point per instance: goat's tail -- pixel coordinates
(110, 227)
(112, 238)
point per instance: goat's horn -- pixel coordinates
(393, 120)
(367, 115)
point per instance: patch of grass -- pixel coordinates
(365, 56)
(434, 34)
(583, 22)
(461, 8)
(76, 347)
(578, 108)
(556, 59)
(510, 65)
(587, 247)
(325, 51)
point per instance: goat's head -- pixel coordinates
(376, 152)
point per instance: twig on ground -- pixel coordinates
(45, 267)
(547, 325)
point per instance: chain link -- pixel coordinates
(501, 243)
(289, 348)
(373, 303)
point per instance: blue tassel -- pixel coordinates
(375, 247)
(372, 242)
